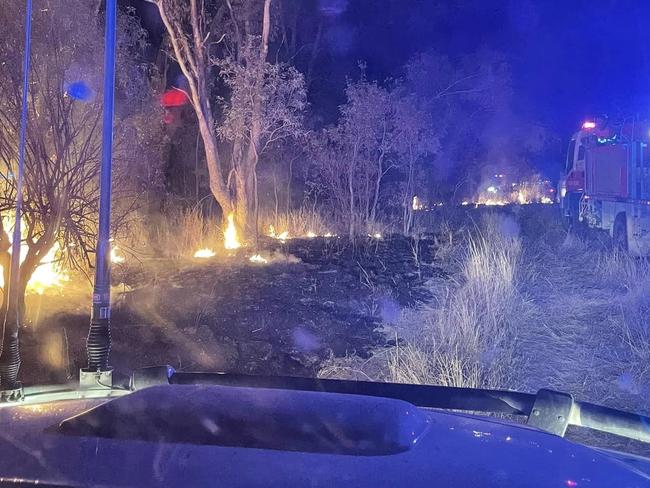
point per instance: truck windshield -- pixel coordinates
(336, 188)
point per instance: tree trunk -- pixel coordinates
(352, 212)
(375, 200)
(194, 69)
(290, 177)
(408, 200)
(275, 197)
(196, 168)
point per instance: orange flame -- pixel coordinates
(230, 239)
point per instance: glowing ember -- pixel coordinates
(256, 258)
(376, 235)
(230, 239)
(204, 253)
(116, 258)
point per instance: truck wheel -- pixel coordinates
(619, 232)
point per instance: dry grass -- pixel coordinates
(469, 337)
(576, 310)
(181, 233)
(298, 222)
(631, 315)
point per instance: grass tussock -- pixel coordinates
(631, 316)
(470, 338)
(468, 335)
(182, 233)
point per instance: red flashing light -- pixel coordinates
(174, 98)
(589, 125)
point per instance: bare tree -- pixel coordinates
(229, 40)
(250, 130)
(415, 140)
(63, 148)
(351, 159)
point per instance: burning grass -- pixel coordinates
(304, 222)
(181, 234)
(49, 275)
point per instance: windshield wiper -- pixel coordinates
(546, 410)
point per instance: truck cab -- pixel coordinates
(607, 183)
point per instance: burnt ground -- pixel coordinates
(316, 297)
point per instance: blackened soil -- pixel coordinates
(314, 298)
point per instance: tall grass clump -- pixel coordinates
(298, 222)
(631, 275)
(181, 233)
(469, 336)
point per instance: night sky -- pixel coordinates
(569, 60)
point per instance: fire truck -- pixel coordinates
(606, 184)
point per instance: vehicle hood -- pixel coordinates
(252, 437)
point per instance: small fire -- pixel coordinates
(48, 274)
(311, 234)
(521, 192)
(376, 235)
(116, 258)
(204, 253)
(282, 236)
(256, 258)
(417, 203)
(230, 239)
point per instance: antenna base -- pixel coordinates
(96, 380)
(15, 394)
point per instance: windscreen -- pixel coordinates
(352, 189)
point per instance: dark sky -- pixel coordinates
(570, 59)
